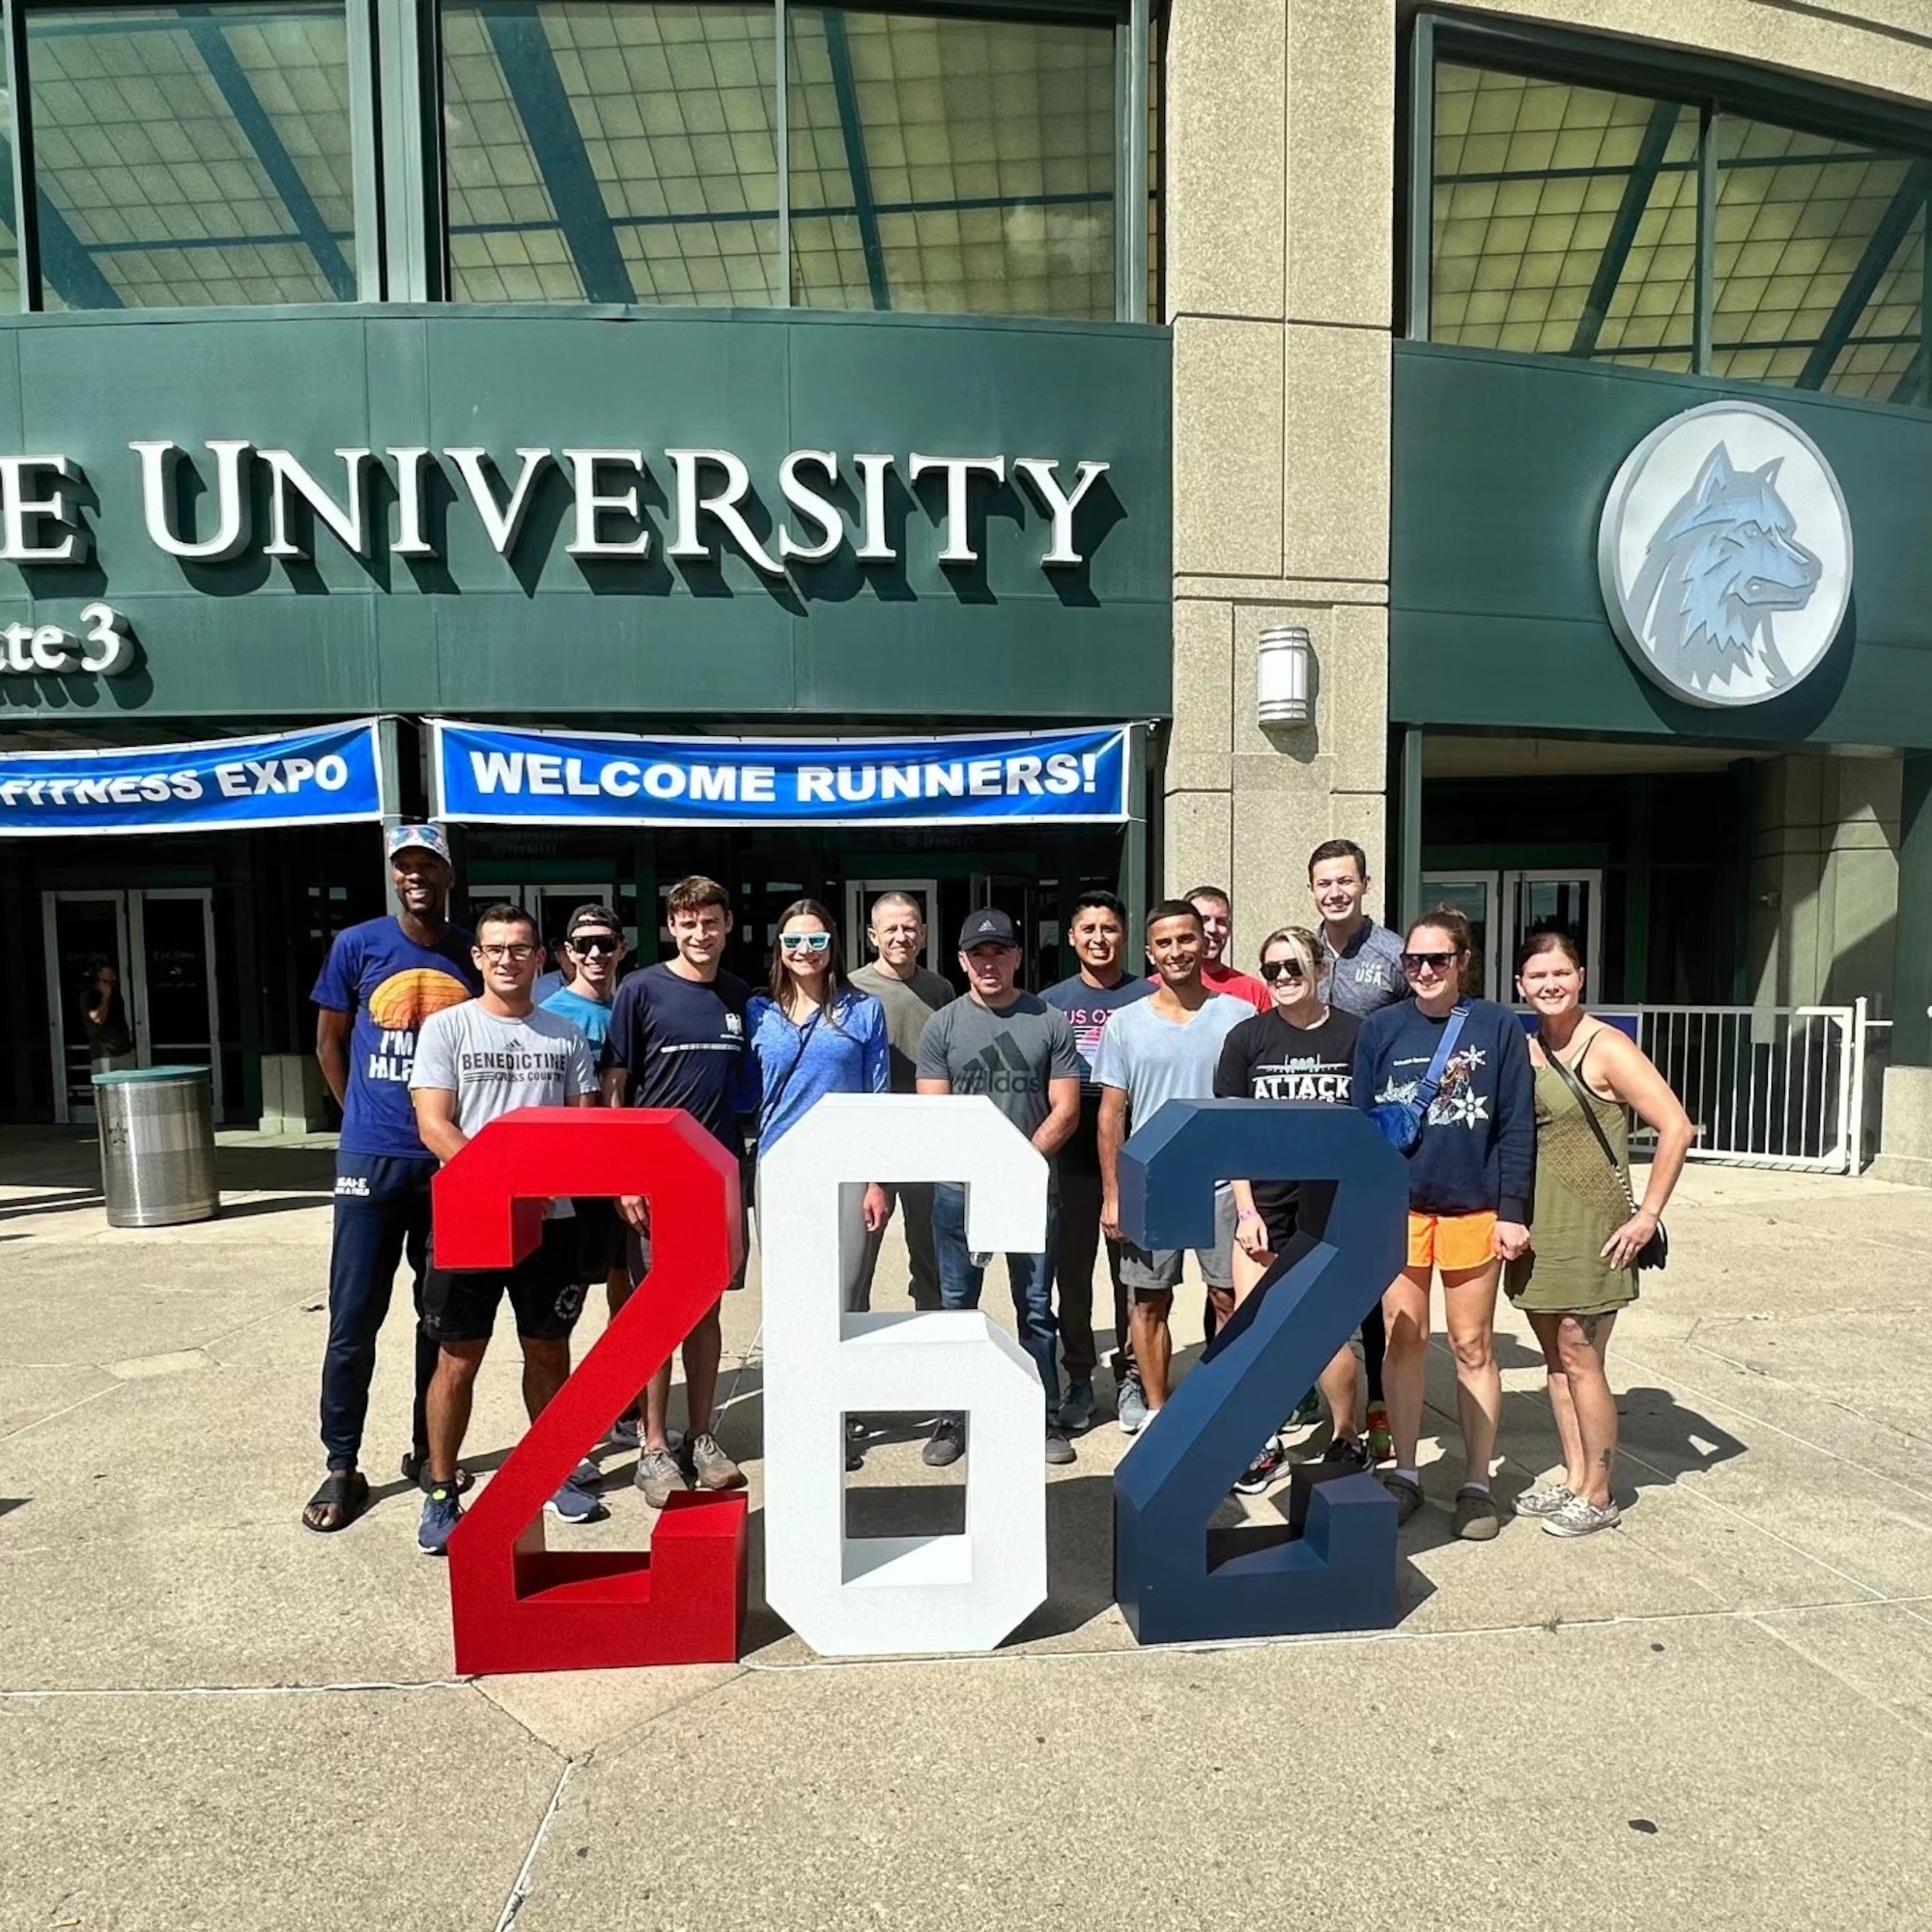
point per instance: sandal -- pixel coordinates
(346, 1492)
(415, 1470)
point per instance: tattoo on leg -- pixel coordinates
(1589, 1324)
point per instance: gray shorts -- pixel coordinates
(1159, 1272)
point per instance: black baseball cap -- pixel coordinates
(594, 919)
(988, 928)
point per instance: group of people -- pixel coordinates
(1518, 1170)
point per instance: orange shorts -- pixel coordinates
(1451, 1240)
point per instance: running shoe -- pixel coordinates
(1382, 1442)
(1076, 1407)
(947, 1445)
(713, 1468)
(660, 1477)
(442, 1512)
(1059, 1451)
(627, 1432)
(1263, 1469)
(1306, 1412)
(1581, 1517)
(577, 1501)
(1349, 1449)
(1130, 1405)
(1546, 1500)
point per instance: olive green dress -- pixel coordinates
(1580, 1204)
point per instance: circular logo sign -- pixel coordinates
(1725, 554)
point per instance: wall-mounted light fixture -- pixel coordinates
(1285, 681)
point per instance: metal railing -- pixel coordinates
(1766, 1086)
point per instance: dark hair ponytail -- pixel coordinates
(1447, 918)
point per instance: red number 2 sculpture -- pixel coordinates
(517, 1606)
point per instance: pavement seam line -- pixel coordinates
(38, 1422)
(1763, 1422)
(234, 1689)
(1913, 1724)
(520, 1892)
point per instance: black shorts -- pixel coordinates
(546, 1293)
(600, 1239)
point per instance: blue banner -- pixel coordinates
(489, 775)
(321, 776)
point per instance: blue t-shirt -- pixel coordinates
(684, 1042)
(391, 986)
(1088, 1010)
(843, 1051)
(590, 1017)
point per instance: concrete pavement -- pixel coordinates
(1720, 1714)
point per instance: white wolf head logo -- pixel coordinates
(1723, 562)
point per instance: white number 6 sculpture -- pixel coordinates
(875, 1595)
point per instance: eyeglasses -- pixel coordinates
(1280, 969)
(514, 951)
(1440, 962)
(805, 942)
(593, 948)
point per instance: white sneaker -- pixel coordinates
(1581, 1517)
(1546, 1500)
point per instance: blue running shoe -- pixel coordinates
(576, 1501)
(442, 1512)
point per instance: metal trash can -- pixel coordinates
(157, 1144)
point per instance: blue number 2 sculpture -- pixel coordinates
(1336, 1569)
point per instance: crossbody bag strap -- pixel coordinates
(1582, 1098)
(1438, 1066)
(771, 1106)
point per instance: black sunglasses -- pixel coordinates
(1416, 961)
(594, 945)
(1280, 969)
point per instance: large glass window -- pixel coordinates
(951, 164)
(628, 153)
(1566, 220)
(191, 156)
(615, 154)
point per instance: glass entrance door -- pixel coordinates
(159, 1007)
(1503, 906)
(86, 936)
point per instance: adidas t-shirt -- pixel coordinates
(1011, 1055)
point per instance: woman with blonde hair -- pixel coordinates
(1301, 1049)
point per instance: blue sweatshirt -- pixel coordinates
(1478, 1148)
(844, 1051)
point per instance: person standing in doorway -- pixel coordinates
(1581, 1271)
(1098, 934)
(474, 1063)
(1462, 1064)
(1217, 923)
(1166, 1047)
(1019, 1051)
(678, 1038)
(1365, 975)
(910, 994)
(593, 950)
(382, 980)
(110, 1039)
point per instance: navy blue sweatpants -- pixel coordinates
(382, 1215)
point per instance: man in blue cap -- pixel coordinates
(381, 981)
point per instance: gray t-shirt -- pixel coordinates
(495, 1066)
(1367, 976)
(1154, 1058)
(909, 1005)
(1010, 1056)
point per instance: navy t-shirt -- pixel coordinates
(391, 986)
(684, 1042)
